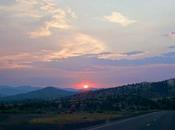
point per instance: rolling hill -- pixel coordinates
(133, 97)
(150, 90)
(10, 91)
(48, 93)
(139, 96)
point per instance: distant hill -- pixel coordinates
(10, 91)
(139, 96)
(47, 93)
(71, 90)
(149, 90)
(133, 97)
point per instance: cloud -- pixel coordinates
(41, 32)
(111, 55)
(119, 18)
(116, 55)
(74, 46)
(22, 59)
(133, 53)
(70, 57)
(72, 13)
(171, 47)
(171, 35)
(169, 54)
(60, 19)
(77, 45)
(21, 8)
(45, 13)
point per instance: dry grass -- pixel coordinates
(74, 118)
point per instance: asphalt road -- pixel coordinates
(154, 121)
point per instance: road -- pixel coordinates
(164, 120)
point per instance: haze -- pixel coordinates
(68, 42)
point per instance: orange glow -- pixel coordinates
(86, 86)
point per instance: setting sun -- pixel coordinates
(86, 86)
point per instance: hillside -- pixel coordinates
(140, 96)
(148, 90)
(134, 97)
(10, 91)
(47, 93)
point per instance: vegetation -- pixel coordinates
(74, 118)
(134, 97)
(48, 93)
(94, 106)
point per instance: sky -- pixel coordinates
(103, 43)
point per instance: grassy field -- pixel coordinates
(74, 118)
(53, 121)
(62, 121)
(55, 118)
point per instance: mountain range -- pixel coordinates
(10, 91)
(48, 93)
(132, 97)
(140, 96)
(149, 90)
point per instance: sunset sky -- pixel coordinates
(103, 43)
